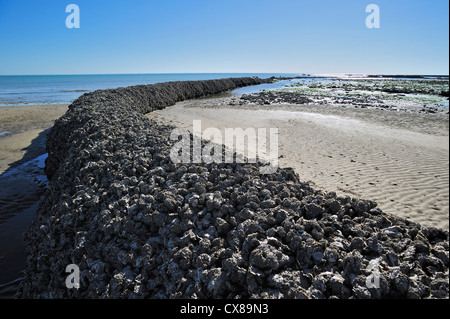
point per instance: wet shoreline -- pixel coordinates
(21, 190)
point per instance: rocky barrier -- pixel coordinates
(139, 226)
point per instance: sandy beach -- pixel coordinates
(21, 126)
(399, 160)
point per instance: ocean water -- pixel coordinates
(63, 89)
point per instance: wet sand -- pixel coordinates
(22, 182)
(400, 160)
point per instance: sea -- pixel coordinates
(64, 89)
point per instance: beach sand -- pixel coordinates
(24, 129)
(399, 160)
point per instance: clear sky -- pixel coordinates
(211, 36)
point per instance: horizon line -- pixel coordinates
(156, 73)
(196, 73)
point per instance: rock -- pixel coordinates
(331, 255)
(352, 264)
(267, 257)
(222, 226)
(337, 287)
(313, 211)
(268, 204)
(400, 283)
(334, 207)
(288, 282)
(358, 244)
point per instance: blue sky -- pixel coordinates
(210, 36)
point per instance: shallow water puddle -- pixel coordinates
(21, 189)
